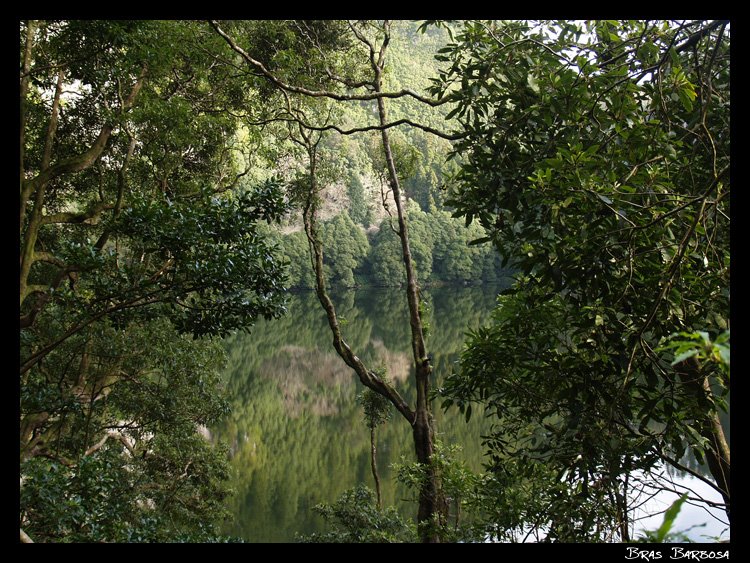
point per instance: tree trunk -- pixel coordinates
(374, 467)
(31, 26)
(429, 512)
(717, 453)
(430, 508)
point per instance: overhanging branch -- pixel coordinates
(426, 128)
(319, 93)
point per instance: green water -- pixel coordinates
(296, 433)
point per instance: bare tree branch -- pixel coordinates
(319, 93)
(426, 128)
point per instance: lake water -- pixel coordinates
(296, 433)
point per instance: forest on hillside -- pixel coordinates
(182, 182)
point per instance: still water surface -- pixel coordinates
(296, 432)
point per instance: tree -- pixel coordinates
(386, 263)
(363, 42)
(359, 209)
(596, 156)
(131, 249)
(295, 249)
(347, 249)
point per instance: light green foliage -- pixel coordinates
(441, 245)
(596, 157)
(377, 409)
(442, 249)
(664, 534)
(699, 345)
(359, 207)
(460, 488)
(295, 247)
(345, 249)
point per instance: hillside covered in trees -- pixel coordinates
(180, 179)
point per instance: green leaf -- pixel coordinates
(591, 150)
(684, 356)
(533, 84)
(669, 517)
(453, 112)
(723, 353)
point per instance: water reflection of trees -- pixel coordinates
(295, 429)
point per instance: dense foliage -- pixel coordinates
(134, 252)
(356, 520)
(596, 156)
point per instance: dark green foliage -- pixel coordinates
(356, 520)
(596, 157)
(359, 207)
(90, 502)
(131, 244)
(152, 477)
(223, 273)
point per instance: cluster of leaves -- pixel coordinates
(596, 156)
(699, 345)
(113, 453)
(356, 520)
(216, 256)
(377, 409)
(460, 488)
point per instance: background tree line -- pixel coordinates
(355, 257)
